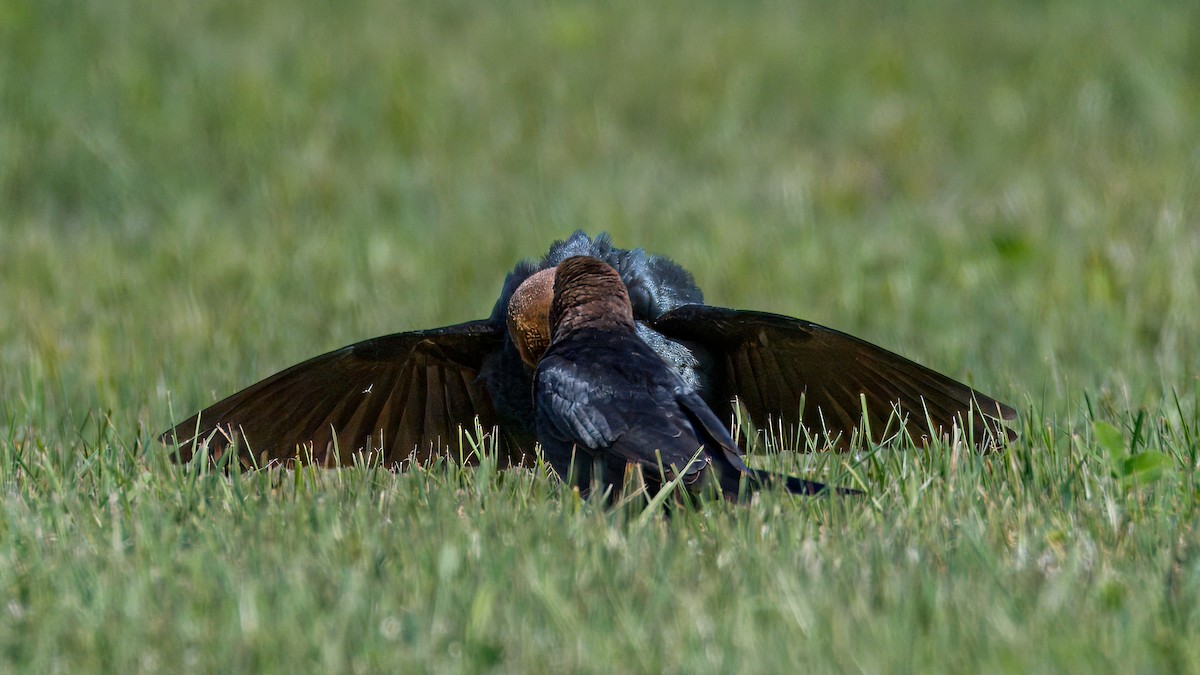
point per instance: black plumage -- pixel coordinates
(605, 401)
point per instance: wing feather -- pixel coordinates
(403, 396)
(773, 363)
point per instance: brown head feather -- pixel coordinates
(528, 316)
(589, 293)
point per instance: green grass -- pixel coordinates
(195, 195)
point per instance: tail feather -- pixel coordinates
(798, 486)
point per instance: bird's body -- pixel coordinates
(656, 286)
(605, 400)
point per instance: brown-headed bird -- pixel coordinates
(405, 397)
(605, 401)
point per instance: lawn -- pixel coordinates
(196, 195)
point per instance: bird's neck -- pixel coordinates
(607, 314)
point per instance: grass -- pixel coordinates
(196, 195)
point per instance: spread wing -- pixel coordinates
(401, 397)
(773, 364)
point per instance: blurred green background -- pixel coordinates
(194, 195)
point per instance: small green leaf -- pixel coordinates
(1111, 439)
(1145, 467)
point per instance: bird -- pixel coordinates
(606, 402)
(407, 397)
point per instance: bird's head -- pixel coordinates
(528, 315)
(588, 293)
(581, 291)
